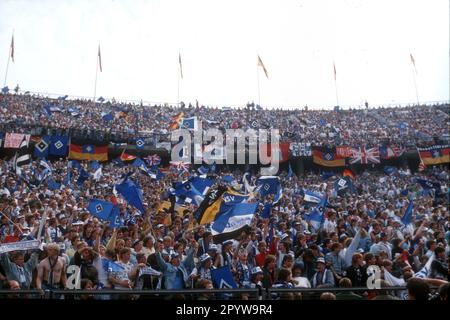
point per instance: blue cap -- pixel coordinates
(174, 255)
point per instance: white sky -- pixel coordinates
(370, 41)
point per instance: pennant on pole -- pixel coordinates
(413, 62)
(334, 67)
(181, 67)
(261, 64)
(99, 59)
(12, 48)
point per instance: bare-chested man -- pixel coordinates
(52, 270)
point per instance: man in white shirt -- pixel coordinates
(330, 223)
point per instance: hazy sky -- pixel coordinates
(370, 41)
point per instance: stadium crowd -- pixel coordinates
(403, 126)
(283, 251)
(167, 249)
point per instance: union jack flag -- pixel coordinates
(364, 156)
(153, 160)
(180, 165)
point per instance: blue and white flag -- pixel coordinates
(230, 224)
(140, 143)
(41, 148)
(317, 216)
(100, 209)
(59, 146)
(270, 185)
(310, 196)
(222, 278)
(189, 123)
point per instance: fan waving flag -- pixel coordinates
(100, 209)
(223, 278)
(131, 193)
(406, 219)
(261, 64)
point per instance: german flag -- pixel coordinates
(349, 173)
(88, 152)
(210, 206)
(127, 157)
(176, 121)
(436, 154)
(327, 157)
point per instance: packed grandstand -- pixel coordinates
(91, 199)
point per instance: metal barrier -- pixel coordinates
(190, 294)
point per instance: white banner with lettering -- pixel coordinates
(19, 246)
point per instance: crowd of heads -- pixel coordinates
(167, 249)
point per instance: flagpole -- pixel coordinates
(7, 64)
(96, 73)
(415, 86)
(335, 85)
(259, 92)
(178, 95)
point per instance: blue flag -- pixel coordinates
(203, 170)
(326, 175)
(59, 146)
(82, 177)
(290, 173)
(227, 179)
(107, 117)
(140, 143)
(270, 185)
(389, 170)
(427, 185)
(131, 193)
(94, 165)
(316, 216)
(5, 90)
(41, 148)
(100, 209)
(52, 185)
(222, 278)
(189, 123)
(195, 188)
(406, 219)
(114, 218)
(265, 214)
(74, 164)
